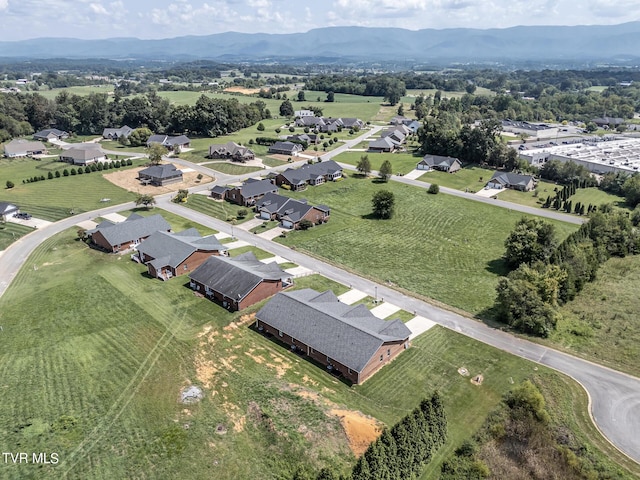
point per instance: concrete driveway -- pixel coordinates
(32, 222)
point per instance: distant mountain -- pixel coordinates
(536, 43)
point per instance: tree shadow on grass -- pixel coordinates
(497, 266)
(378, 180)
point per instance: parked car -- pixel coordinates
(22, 215)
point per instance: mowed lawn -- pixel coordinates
(586, 196)
(60, 197)
(470, 178)
(10, 232)
(437, 246)
(96, 356)
(402, 162)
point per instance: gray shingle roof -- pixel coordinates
(287, 147)
(236, 277)
(346, 334)
(132, 228)
(50, 131)
(123, 131)
(310, 171)
(83, 151)
(167, 170)
(254, 188)
(509, 178)
(438, 161)
(383, 143)
(171, 249)
(7, 208)
(22, 147)
(284, 207)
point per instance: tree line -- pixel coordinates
(544, 274)
(402, 451)
(22, 114)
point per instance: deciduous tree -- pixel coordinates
(383, 202)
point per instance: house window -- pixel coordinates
(280, 333)
(381, 357)
(349, 370)
(311, 350)
(388, 352)
(184, 266)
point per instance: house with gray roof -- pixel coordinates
(175, 143)
(7, 209)
(160, 175)
(50, 134)
(119, 237)
(351, 122)
(250, 191)
(231, 151)
(238, 282)
(168, 255)
(437, 162)
(83, 154)
(290, 212)
(116, 133)
(347, 340)
(286, 148)
(218, 192)
(23, 148)
(516, 181)
(383, 145)
(310, 121)
(309, 174)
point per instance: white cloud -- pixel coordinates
(4, 4)
(98, 9)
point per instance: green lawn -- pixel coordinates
(450, 249)
(10, 232)
(53, 93)
(586, 196)
(233, 168)
(266, 225)
(222, 210)
(259, 253)
(402, 162)
(96, 356)
(57, 198)
(467, 178)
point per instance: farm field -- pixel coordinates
(104, 371)
(450, 249)
(57, 198)
(80, 90)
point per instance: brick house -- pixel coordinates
(118, 237)
(347, 340)
(290, 212)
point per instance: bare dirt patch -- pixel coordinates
(477, 380)
(463, 371)
(282, 158)
(242, 90)
(244, 320)
(128, 179)
(360, 429)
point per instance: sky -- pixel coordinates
(24, 19)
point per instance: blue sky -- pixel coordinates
(23, 19)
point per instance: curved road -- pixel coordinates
(614, 396)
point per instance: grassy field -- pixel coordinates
(411, 95)
(96, 357)
(467, 178)
(233, 168)
(450, 249)
(10, 232)
(601, 324)
(586, 196)
(56, 198)
(53, 93)
(218, 209)
(402, 162)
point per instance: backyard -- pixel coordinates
(104, 370)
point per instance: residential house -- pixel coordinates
(310, 121)
(250, 191)
(516, 181)
(383, 145)
(608, 121)
(238, 282)
(437, 162)
(116, 133)
(330, 125)
(347, 340)
(399, 134)
(50, 134)
(413, 126)
(175, 144)
(352, 122)
(83, 154)
(290, 212)
(218, 192)
(399, 120)
(309, 174)
(231, 151)
(160, 175)
(286, 148)
(172, 254)
(308, 138)
(118, 237)
(23, 148)
(7, 209)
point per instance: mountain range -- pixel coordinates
(610, 43)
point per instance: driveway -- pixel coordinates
(488, 192)
(32, 222)
(273, 233)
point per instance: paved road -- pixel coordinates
(615, 397)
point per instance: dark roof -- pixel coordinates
(219, 189)
(49, 131)
(347, 334)
(608, 120)
(83, 152)
(509, 178)
(132, 228)
(6, 207)
(439, 161)
(236, 277)
(286, 146)
(284, 207)
(253, 188)
(230, 148)
(168, 170)
(309, 171)
(157, 139)
(179, 140)
(171, 249)
(383, 143)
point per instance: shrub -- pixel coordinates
(242, 212)
(261, 127)
(65, 173)
(57, 174)
(94, 167)
(129, 162)
(434, 189)
(79, 171)
(292, 129)
(305, 224)
(10, 184)
(87, 169)
(50, 175)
